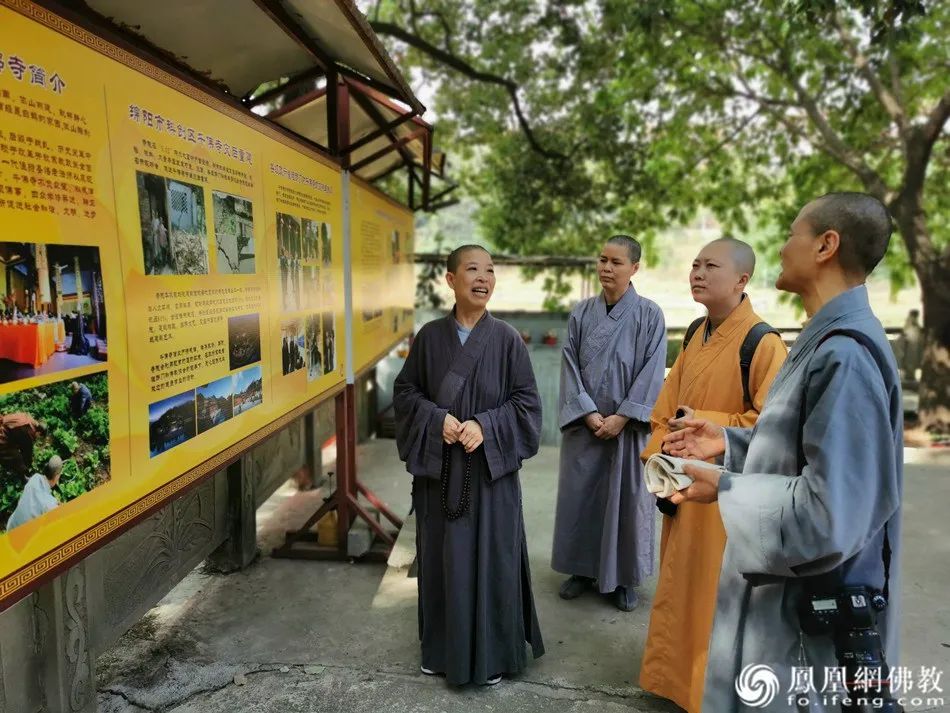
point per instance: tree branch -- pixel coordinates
(890, 103)
(463, 67)
(937, 120)
(832, 142)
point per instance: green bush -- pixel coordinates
(66, 442)
(94, 425)
(82, 443)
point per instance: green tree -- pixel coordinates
(590, 115)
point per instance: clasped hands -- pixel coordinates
(607, 427)
(696, 439)
(469, 434)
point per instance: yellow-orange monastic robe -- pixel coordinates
(707, 378)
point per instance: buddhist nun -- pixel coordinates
(811, 496)
(612, 369)
(709, 379)
(468, 414)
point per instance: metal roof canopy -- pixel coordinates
(264, 52)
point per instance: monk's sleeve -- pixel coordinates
(643, 392)
(418, 420)
(664, 409)
(766, 362)
(737, 446)
(574, 399)
(512, 431)
(810, 523)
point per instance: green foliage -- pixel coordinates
(66, 441)
(94, 424)
(82, 443)
(643, 112)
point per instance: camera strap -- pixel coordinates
(879, 359)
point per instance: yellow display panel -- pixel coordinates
(382, 245)
(171, 274)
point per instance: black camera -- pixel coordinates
(849, 616)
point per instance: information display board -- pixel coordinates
(381, 235)
(171, 272)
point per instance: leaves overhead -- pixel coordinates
(577, 118)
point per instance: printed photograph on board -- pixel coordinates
(54, 446)
(172, 221)
(326, 250)
(53, 316)
(171, 422)
(233, 234)
(248, 389)
(244, 340)
(311, 239)
(292, 346)
(329, 343)
(289, 256)
(213, 403)
(314, 348)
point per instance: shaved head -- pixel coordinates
(455, 257)
(743, 256)
(861, 221)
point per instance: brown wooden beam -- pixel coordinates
(395, 146)
(372, 43)
(427, 169)
(435, 207)
(333, 108)
(379, 133)
(377, 116)
(297, 103)
(302, 78)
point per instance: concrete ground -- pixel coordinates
(286, 635)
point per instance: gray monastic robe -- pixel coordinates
(611, 364)
(476, 609)
(812, 487)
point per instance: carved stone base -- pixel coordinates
(240, 547)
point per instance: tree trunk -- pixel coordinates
(933, 273)
(934, 409)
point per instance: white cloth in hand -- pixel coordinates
(664, 474)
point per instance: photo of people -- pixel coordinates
(53, 315)
(329, 343)
(172, 221)
(233, 234)
(171, 422)
(313, 348)
(326, 252)
(311, 239)
(54, 446)
(213, 403)
(248, 389)
(289, 251)
(292, 346)
(244, 340)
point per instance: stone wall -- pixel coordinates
(50, 639)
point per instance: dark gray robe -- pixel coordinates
(476, 609)
(611, 364)
(810, 489)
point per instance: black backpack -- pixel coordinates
(746, 351)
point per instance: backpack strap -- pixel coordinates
(881, 361)
(691, 330)
(747, 353)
